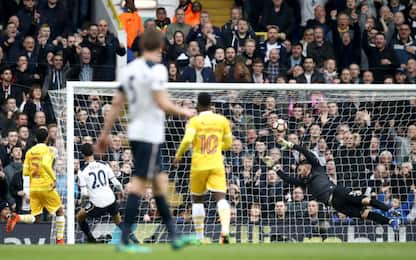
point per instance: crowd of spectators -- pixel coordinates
(368, 145)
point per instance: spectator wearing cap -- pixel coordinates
(310, 75)
(198, 73)
(55, 14)
(404, 45)
(280, 14)
(114, 46)
(320, 49)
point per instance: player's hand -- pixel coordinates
(102, 144)
(285, 144)
(176, 162)
(188, 113)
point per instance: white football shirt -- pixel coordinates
(138, 80)
(96, 177)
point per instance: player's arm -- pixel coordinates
(228, 136)
(84, 191)
(117, 185)
(310, 156)
(160, 94)
(161, 98)
(186, 140)
(47, 165)
(26, 171)
(287, 178)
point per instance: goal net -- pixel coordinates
(364, 135)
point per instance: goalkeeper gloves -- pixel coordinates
(285, 144)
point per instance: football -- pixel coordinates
(280, 125)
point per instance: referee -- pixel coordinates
(312, 175)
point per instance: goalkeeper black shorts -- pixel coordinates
(347, 202)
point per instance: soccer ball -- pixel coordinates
(280, 125)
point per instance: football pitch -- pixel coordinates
(321, 251)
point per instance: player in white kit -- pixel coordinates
(97, 197)
(142, 84)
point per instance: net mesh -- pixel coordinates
(366, 140)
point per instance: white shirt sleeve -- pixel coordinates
(81, 181)
(160, 77)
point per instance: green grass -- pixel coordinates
(310, 251)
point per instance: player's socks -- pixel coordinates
(380, 219)
(132, 206)
(86, 229)
(198, 217)
(60, 227)
(378, 204)
(224, 212)
(163, 208)
(27, 218)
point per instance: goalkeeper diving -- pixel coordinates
(312, 175)
(209, 134)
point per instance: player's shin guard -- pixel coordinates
(60, 227)
(380, 219)
(83, 225)
(132, 206)
(27, 218)
(378, 204)
(224, 212)
(163, 208)
(198, 217)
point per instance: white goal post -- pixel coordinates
(385, 92)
